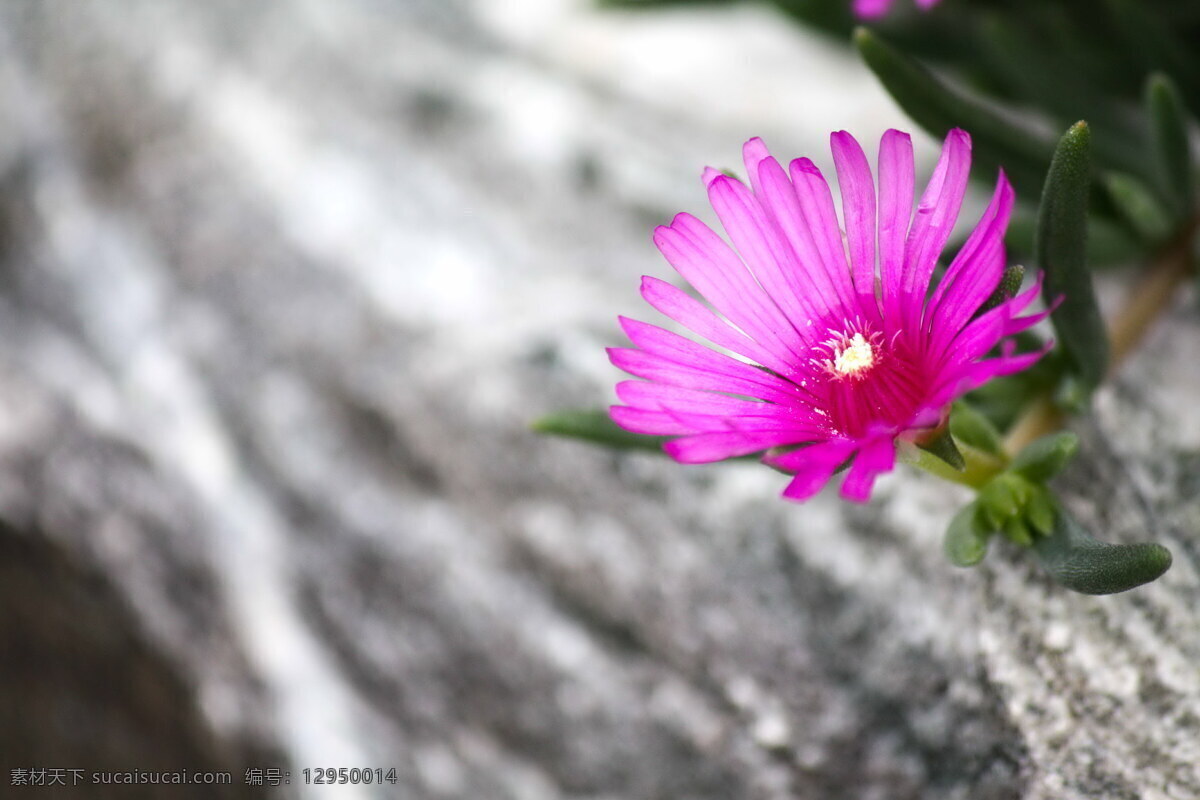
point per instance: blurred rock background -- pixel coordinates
(282, 284)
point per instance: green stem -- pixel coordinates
(980, 467)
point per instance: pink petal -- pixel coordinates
(831, 291)
(763, 248)
(934, 222)
(877, 457)
(693, 315)
(654, 367)
(896, 183)
(703, 448)
(813, 466)
(858, 209)
(871, 9)
(706, 262)
(975, 271)
(816, 204)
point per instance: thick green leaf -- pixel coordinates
(936, 107)
(1061, 250)
(593, 425)
(1044, 458)
(1083, 564)
(1170, 146)
(966, 541)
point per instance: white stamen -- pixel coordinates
(852, 357)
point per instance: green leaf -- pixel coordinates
(1002, 498)
(1060, 248)
(1083, 564)
(1138, 206)
(966, 541)
(974, 430)
(592, 425)
(1039, 511)
(1044, 458)
(936, 107)
(1170, 148)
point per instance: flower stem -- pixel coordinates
(1149, 299)
(980, 466)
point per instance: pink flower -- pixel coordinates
(851, 357)
(874, 9)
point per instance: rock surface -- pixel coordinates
(282, 286)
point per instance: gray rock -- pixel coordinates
(282, 287)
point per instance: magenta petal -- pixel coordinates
(816, 203)
(896, 183)
(871, 9)
(704, 448)
(764, 249)
(975, 271)
(830, 292)
(876, 458)
(934, 222)
(813, 467)
(858, 208)
(693, 315)
(707, 262)
(654, 367)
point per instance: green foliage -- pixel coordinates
(595, 426)
(1060, 250)
(1081, 563)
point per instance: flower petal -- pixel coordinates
(831, 291)
(706, 262)
(934, 222)
(693, 315)
(872, 460)
(975, 271)
(760, 243)
(896, 183)
(858, 209)
(704, 448)
(813, 466)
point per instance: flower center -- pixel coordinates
(853, 356)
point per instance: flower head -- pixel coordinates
(874, 9)
(852, 347)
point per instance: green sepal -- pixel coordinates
(1010, 284)
(1170, 147)
(974, 430)
(936, 107)
(595, 426)
(1083, 564)
(1044, 458)
(966, 540)
(1138, 206)
(1060, 248)
(942, 445)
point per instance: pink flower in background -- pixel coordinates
(852, 356)
(874, 9)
